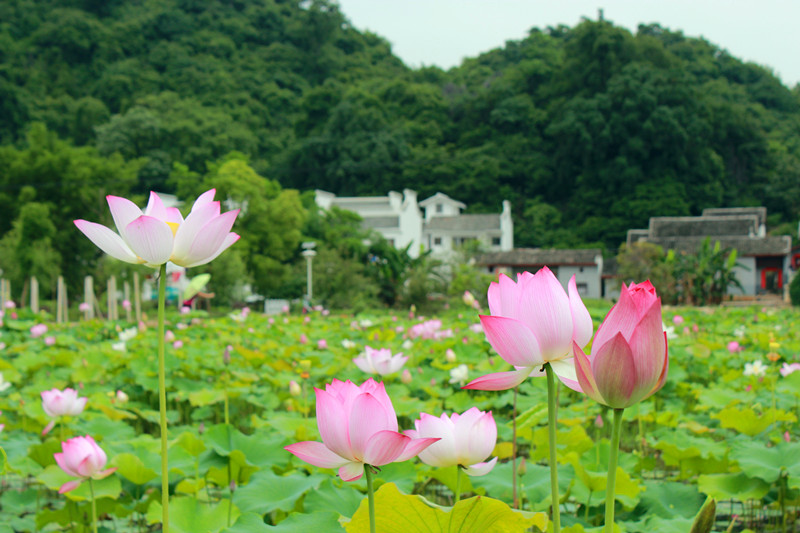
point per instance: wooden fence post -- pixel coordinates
(34, 294)
(126, 294)
(137, 298)
(88, 297)
(61, 301)
(111, 298)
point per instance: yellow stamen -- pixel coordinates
(174, 227)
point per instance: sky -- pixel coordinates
(443, 32)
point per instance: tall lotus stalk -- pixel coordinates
(152, 238)
(628, 363)
(162, 396)
(533, 326)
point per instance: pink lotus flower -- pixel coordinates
(787, 368)
(677, 320)
(466, 440)
(82, 458)
(322, 344)
(60, 403)
(84, 307)
(358, 426)
(126, 304)
(533, 322)
(50, 340)
(629, 359)
(380, 362)
(38, 330)
(10, 304)
(734, 347)
(160, 234)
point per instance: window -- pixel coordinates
(495, 241)
(391, 242)
(437, 241)
(440, 208)
(583, 289)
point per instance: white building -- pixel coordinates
(586, 265)
(442, 229)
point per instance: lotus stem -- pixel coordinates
(611, 480)
(370, 498)
(552, 413)
(458, 485)
(162, 399)
(94, 505)
(514, 451)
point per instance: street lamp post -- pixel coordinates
(309, 253)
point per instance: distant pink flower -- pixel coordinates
(185, 310)
(161, 234)
(677, 320)
(380, 362)
(787, 368)
(406, 376)
(84, 307)
(734, 347)
(786, 436)
(177, 344)
(325, 312)
(358, 426)
(57, 403)
(476, 328)
(533, 322)
(629, 359)
(303, 338)
(81, 457)
(466, 440)
(322, 344)
(49, 340)
(10, 304)
(38, 330)
(294, 388)
(169, 336)
(181, 325)
(126, 304)
(695, 328)
(285, 309)
(599, 421)
(271, 320)
(450, 355)
(60, 403)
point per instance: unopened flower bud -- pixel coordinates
(406, 377)
(294, 388)
(450, 356)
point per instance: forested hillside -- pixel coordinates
(587, 130)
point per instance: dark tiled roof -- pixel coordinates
(464, 223)
(667, 227)
(760, 212)
(745, 246)
(540, 257)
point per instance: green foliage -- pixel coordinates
(794, 290)
(644, 260)
(694, 279)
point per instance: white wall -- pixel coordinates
(748, 278)
(590, 276)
